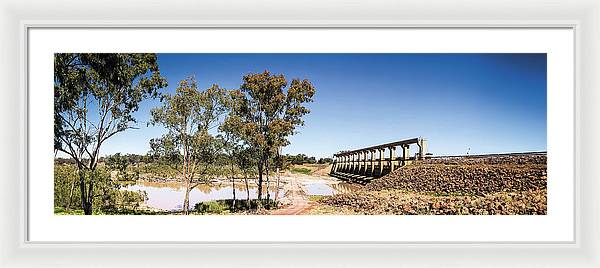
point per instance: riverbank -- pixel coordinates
(215, 197)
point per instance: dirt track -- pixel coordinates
(296, 196)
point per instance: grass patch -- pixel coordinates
(211, 207)
(301, 170)
(225, 206)
(62, 211)
(208, 207)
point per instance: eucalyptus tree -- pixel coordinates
(189, 115)
(246, 162)
(269, 111)
(95, 96)
(232, 140)
(239, 151)
(281, 163)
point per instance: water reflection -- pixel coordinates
(169, 195)
(330, 188)
(319, 189)
(345, 187)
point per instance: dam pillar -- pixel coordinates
(422, 144)
(405, 154)
(333, 164)
(392, 157)
(354, 163)
(381, 154)
(372, 169)
(361, 162)
(365, 156)
(347, 164)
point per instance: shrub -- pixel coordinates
(210, 207)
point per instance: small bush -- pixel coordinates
(226, 205)
(211, 207)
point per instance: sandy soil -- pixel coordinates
(295, 201)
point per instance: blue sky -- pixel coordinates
(490, 103)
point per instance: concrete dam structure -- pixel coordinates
(363, 165)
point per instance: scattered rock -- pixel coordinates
(467, 176)
(507, 185)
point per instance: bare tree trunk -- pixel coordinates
(233, 203)
(277, 187)
(247, 190)
(268, 183)
(278, 164)
(87, 208)
(90, 196)
(233, 186)
(188, 182)
(71, 193)
(260, 180)
(186, 200)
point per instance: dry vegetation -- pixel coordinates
(509, 184)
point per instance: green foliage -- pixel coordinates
(158, 170)
(95, 96)
(301, 170)
(265, 112)
(66, 186)
(300, 159)
(110, 85)
(63, 211)
(117, 162)
(129, 199)
(121, 163)
(325, 161)
(210, 207)
(107, 194)
(120, 211)
(227, 205)
(189, 115)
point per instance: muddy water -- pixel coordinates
(329, 188)
(319, 189)
(169, 196)
(345, 187)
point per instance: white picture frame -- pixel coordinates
(17, 17)
(557, 227)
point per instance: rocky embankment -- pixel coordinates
(503, 184)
